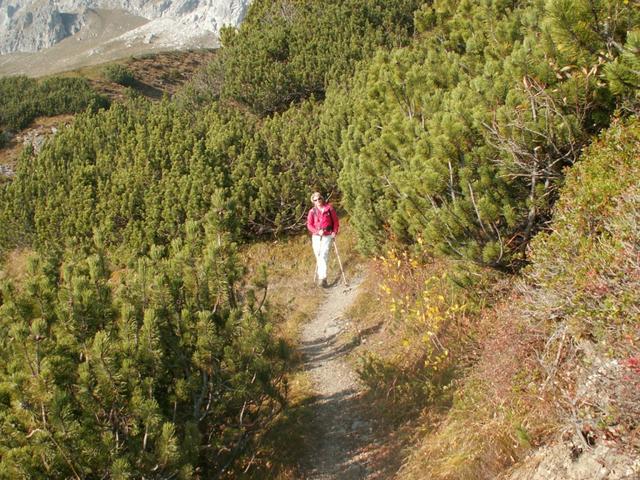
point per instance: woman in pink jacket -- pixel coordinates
(322, 222)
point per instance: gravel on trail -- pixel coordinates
(343, 434)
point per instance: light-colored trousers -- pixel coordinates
(321, 246)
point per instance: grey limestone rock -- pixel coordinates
(34, 25)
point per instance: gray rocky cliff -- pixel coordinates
(34, 25)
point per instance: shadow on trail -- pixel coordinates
(343, 431)
(302, 431)
(332, 433)
(355, 447)
(312, 351)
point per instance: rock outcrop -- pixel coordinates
(33, 25)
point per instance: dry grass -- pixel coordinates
(383, 335)
(491, 414)
(369, 326)
(499, 412)
(14, 265)
(292, 294)
(292, 297)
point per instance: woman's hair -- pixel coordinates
(316, 195)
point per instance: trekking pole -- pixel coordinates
(335, 246)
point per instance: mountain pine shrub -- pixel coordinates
(119, 74)
(162, 369)
(623, 74)
(22, 99)
(461, 138)
(137, 172)
(285, 52)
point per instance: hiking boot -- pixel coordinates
(324, 283)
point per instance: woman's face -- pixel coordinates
(318, 201)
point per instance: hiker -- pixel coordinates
(323, 224)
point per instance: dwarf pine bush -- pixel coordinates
(461, 138)
(119, 74)
(158, 369)
(22, 99)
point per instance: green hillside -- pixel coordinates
(486, 155)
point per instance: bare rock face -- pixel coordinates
(34, 25)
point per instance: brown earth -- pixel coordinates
(155, 74)
(40, 129)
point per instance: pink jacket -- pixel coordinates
(323, 218)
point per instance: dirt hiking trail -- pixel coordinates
(339, 451)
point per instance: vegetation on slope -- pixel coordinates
(286, 52)
(22, 99)
(448, 128)
(560, 353)
(162, 369)
(461, 139)
(148, 359)
(153, 76)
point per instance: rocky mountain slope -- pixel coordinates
(47, 36)
(30, 26)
